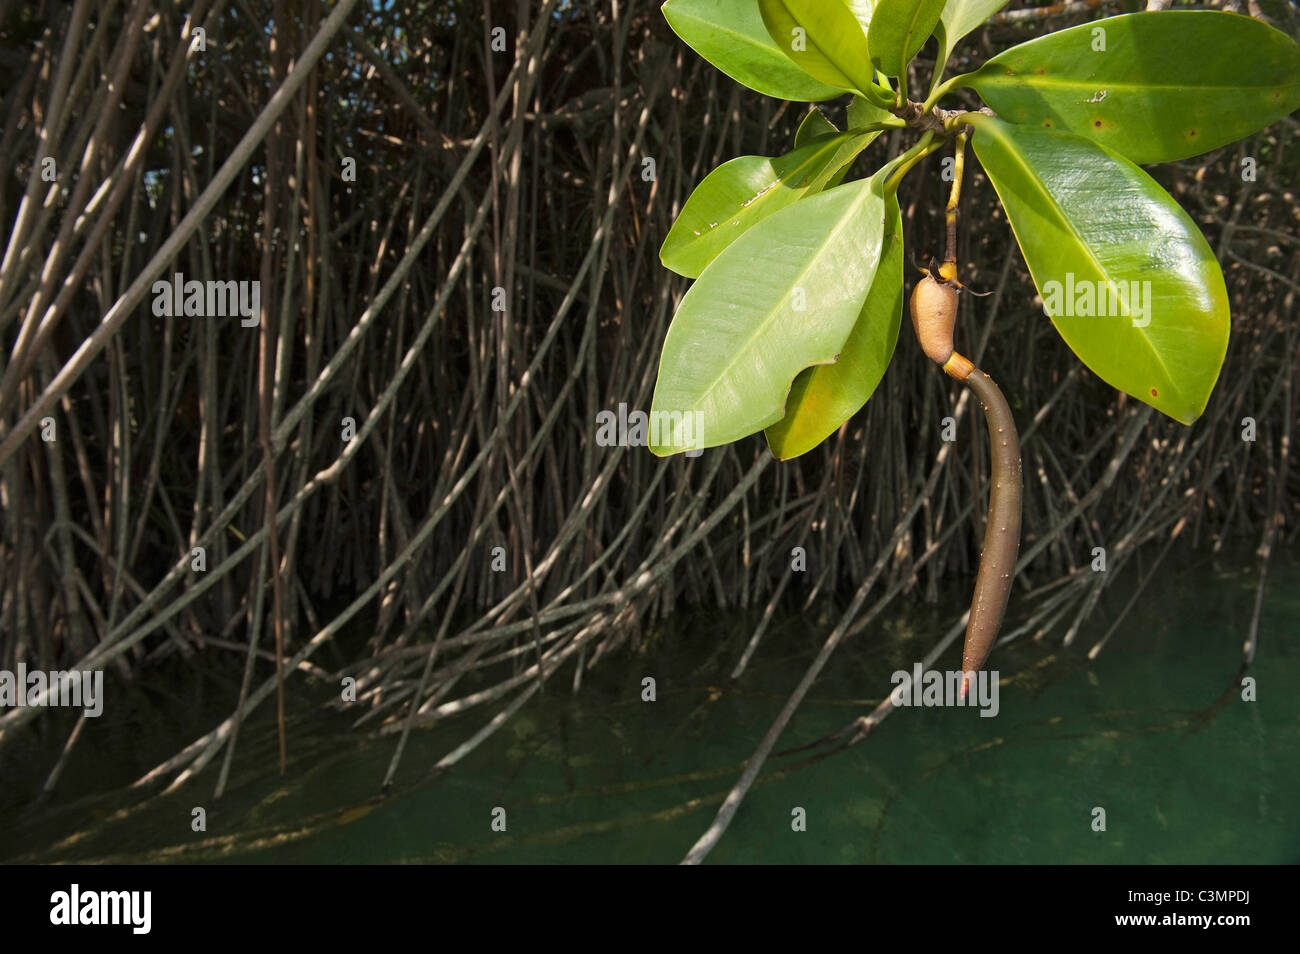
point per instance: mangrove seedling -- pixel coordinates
(795, 309)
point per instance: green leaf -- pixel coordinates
(741, 193)
(782, 297)
(861, 10)
(813, 125)
(1093, 225)
(730, 35)
(1168, 84)
(826, 395)
(824, 37)
(959, 18)
(862, 112)
(899, 28)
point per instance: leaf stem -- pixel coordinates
(971, 119)
(954, 198)
(878, 99)
(942, 90)
(875, 127)
(904, 163)
(937, 78)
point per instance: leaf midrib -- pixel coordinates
(771, 190)
(853, 84)
(911, 29)
(771, 314)
(1034, 80)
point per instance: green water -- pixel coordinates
(1152, 731)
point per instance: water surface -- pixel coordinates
(1154, 731)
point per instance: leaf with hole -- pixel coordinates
(1125, 275)
(1151, 86)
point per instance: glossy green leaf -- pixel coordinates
(824, 37)
(741, 193)
(1167, 85)
(899, 28)
(1125, 275)
(959, 18)
(730, 35)
(782, 297)
(815, 124)
(826, 395)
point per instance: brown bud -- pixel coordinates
(934, 313)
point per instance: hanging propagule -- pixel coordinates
(934, 313)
